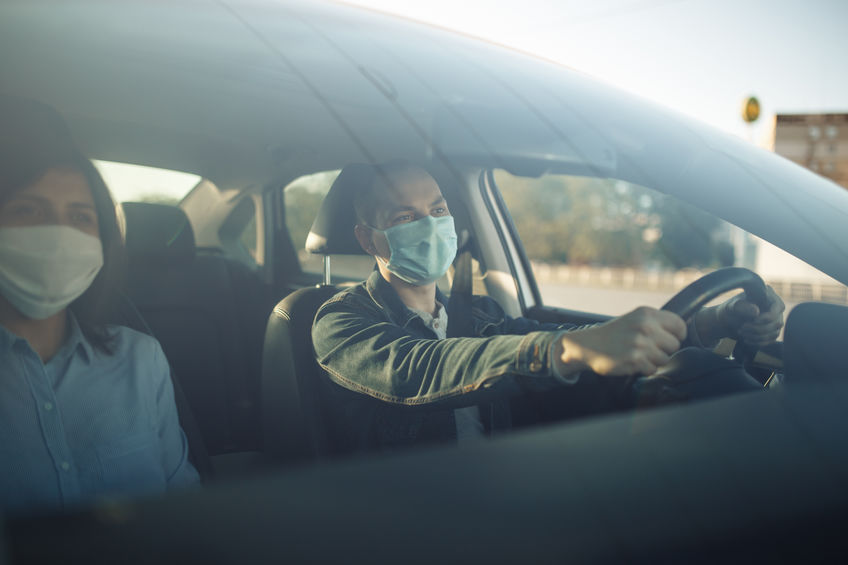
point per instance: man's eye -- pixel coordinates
(402, 218)
(440, 211)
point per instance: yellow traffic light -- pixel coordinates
(751, 109)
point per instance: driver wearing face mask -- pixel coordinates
(87, 408)
(395, 379)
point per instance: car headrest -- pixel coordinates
(332, 230)
(158, 232)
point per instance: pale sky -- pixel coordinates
(701, 57)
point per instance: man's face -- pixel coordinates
(403, 197)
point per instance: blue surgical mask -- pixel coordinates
(421, 251)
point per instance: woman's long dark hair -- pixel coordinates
(33, 139)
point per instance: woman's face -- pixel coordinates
(59, 197)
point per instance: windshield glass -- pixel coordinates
(605, 245)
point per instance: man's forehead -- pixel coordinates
(407, 190)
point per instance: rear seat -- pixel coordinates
(209, 314)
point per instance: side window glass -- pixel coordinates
(137, 183)
(239, 234)
(248, 238)
(607, 246)
(302, 198)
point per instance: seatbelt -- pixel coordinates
(459, 305)
(496, 415)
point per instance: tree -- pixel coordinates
(585, 220)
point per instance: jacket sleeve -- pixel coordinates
(367, 354)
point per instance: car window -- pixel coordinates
(137, 183)
(237, 236)
(607, 246)
(248, 237)
(302, 198)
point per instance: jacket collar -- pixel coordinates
(387, 299)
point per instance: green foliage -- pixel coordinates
(302, 199)
(687, 236)
(592, 221)
(301, 208)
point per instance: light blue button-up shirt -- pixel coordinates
(87, 424)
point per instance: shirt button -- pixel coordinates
(65, 465)
(48, 406)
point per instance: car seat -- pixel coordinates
(814, 344)
(294, 428)
(126, 314)
(208, 312)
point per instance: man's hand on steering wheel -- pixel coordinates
(637, 343)
(741, 319)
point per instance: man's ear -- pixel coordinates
(363, 236)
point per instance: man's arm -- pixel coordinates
(369, 355)
(637, 343)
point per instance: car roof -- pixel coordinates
(256, 93)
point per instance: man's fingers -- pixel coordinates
(673, 324)
(655, 358)
(666, 342)
(745, 310)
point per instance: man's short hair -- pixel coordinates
(366, 200)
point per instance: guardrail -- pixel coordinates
(669, 281)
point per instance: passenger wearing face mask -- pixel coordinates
(86, 409)
(394, 377)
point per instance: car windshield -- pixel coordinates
(243, 367)
(605, 245)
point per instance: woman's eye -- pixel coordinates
(23, 212)
(83, 218)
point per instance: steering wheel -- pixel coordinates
(697, 294)
(692, 298)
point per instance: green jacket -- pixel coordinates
(391, 383)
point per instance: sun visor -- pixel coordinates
(521, 141)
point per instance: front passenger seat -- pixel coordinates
(208, 313)
(293, 422)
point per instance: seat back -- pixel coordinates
(293, 422)
(293, 414)
(126, 314)
(209, 313)
(814, 343)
